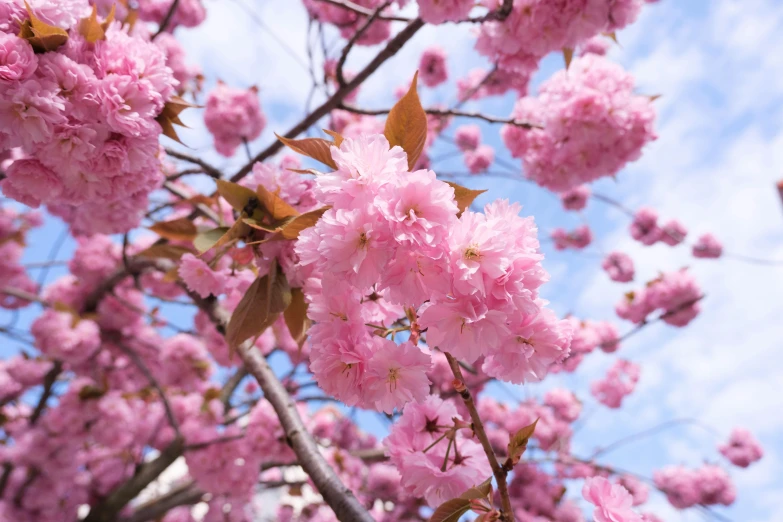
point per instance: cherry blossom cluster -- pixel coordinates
(646, 229)
(592, 125)
(587, 336)
(478, 157)
(620, 381)
(706, 486)
(83, 116)
(575, 198)
(577, 239)
(348, 21)
(14, 226)
(675, 294)
(619, 266)
(187, 13)
(742, 448)
(393, 238)
(233, 116)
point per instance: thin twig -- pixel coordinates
(354, 38)
(167, 19)
(208, 169)
(478, 429)
(448, 112)
(134, 357)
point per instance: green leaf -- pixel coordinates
(518, 443)
(464, 196)
(261, 305)
(451, 510)
(208, 238)
(406, 124)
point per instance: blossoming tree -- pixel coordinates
(350, 259)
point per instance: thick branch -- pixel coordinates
(184, 495)
(448, 112)
(108, 510)
(339, 497)
(48, 385)
(394, 45)
(478, 429)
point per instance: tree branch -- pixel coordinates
(478, 429)
(394, 45)
(209, 169)
(167, 19)
(447, 112)
(339, 497)
(182, 496)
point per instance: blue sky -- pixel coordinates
(717, 65)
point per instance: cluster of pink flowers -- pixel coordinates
(188, 13)
(348, 21)
(233, 116)
(432, 67)
(439, 11)
(684, 488)
(478, 157)
(416, 451)
(646, 230)
(392, 239)
(742, 448)
(575, 198)
(592, 125)
(589, 335)
(707, 247)
(84, 118)
(619, 382)
(577, 239)
(13, 230)
(619, 266)
(675, 294)
(480, 83)
(612, 502)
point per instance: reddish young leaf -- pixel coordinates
(181, 229)
(464, 196)
(316, 148)
(451, 510)
(518, 443)
(296, 316)
(42, 36)
(301, 222)
(406, 124)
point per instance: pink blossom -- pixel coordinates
(532, 345)
(638, 489)
(742, 448)
(396, 375)
(620, 381)
(644, 227)
(17, 59)
(577, 239)
(612, 501)
(127, 105)
(576, 198)
(596, 45)
(707, 247)
(199, 277)
(29, 111)
(30, 182)
(673, 233)
(677, 294)
(440, 11)
(339, 365)
(619, 266)
(467, 137)
(480, 159)
(564, 403)
(420, 210)
(592, 124)
(62, 336)
(233, 116)
(432, 66)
